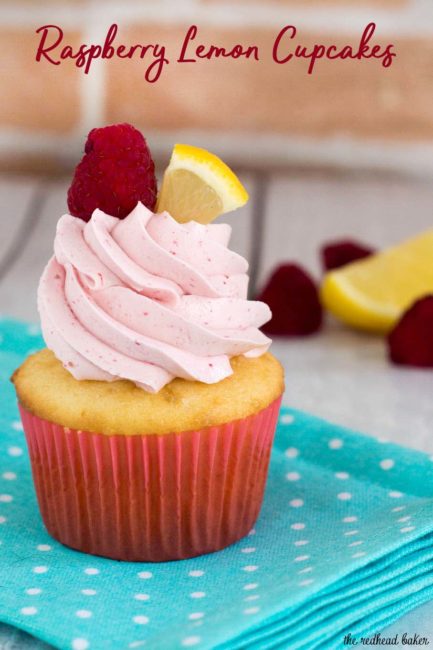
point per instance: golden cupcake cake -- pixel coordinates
(150, 415)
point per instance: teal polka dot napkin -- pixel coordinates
(344, 544)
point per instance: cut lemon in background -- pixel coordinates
(373, 293)
(198, 186)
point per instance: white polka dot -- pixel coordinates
(251, 610)
(287, 418)
(358, 543)
(358, 554)
(349, 520)
(293, 476)
(9, 476)
(3, 519)
(44, 547)
(297, 526)
(250, 598)
(17, 425)
(141, 596)
(395, 494)
(140, 619)
(342, 475)
(403, 519)
(248, 549)
(145, 575)
(33, 591)
(190, 641)
(83, 613)
(302, 558)
(40, 569)
(33, 330)
(15, 451)
(89, 592)
(198, 594)
(308, 569)
(387, 463)
(91, 571)
(292, 452)
(305, 583)
(196, 574)
(80, 644)
(195, 616)
(29, 611)
(251, 585)
(301, 542)
(349, 533)
(250, 567)
(296, 503)
(252, 532)
(398, 509)
(6, 498)
(137, 644)
(407, 529)
(335, 443)
(344, 496)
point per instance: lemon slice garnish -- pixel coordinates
(199, 186)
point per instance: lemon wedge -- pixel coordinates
(372, 293)
(198, 186)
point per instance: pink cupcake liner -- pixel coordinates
(151, 498)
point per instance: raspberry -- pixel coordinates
(341, 252)
(115, 173)
(294, 301)
(410, 343)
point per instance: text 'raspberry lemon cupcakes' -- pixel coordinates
(150, 417)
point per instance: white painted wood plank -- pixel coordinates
(15, 196)
(18, 289)
(306, 210)
(344, 376)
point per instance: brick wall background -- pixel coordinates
(347, 113)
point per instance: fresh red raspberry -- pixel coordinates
(341, 252)
(410, 343)
(115, 173)
(294, 301)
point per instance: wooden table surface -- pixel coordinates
(338, 374)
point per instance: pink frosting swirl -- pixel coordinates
(147, 299)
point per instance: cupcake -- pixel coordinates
(150, 415)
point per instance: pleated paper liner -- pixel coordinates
(151, 498)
